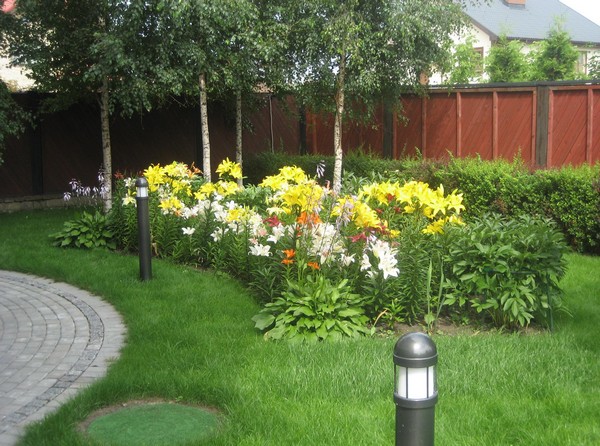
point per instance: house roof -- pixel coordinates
(532, 21)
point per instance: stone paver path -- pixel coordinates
(54, 340)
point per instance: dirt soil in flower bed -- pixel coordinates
(446, 327)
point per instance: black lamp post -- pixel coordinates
(415, 389)
(143, 216)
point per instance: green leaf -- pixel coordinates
(278, 332)
(305, 311)
(322, 331)
(429, 318)
(350, 312)
(263, 320)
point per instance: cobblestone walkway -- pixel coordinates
(54, 340)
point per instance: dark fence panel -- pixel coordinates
(67, 144)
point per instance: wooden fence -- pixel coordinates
(547, 125)
(67, 144)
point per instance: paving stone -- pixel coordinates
(54, 340)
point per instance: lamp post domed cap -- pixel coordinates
(415, 350)
(141, 182)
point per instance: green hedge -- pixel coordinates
(570, 196)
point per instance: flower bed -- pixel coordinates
(323, 265)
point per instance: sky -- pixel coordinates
(587, 8)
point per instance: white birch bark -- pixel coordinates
(238, 134)
(206, 169)
(106, 146)
(337, 130)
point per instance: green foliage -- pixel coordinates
(482, 182)
(86, 42)
(385, 241)
(507, 269)
(506, 61)
(166, 230)
(358, 163)
(87, 231)
(594, 67)
(571, 197)
(467, 64)
(123, 220)
(406, 298)
(314, 309)
(12, 117)
(263, 164)
(555, 57)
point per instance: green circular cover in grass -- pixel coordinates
(153, 424)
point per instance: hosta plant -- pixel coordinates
(315, 309)
(86, 231)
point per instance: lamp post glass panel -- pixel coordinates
(143, 215)
(415, 389)
(416, 384)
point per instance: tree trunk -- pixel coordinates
(106, 147)
(205, 134)
(337, 129)
(238, 134)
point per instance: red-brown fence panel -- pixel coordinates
(516, 128)
(545, 124)
(355, 135)
(475, 126)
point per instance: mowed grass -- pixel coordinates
(190, 339)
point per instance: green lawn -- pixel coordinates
(190, 338)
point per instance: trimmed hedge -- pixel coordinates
(570, 196)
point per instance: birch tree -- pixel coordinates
(104, 49)
(217, 53)
(353, 53)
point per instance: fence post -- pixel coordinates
(542, 125)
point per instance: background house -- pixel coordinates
(14, 77)
(529, 21)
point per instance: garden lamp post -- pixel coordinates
(143, 216)
(415, 389)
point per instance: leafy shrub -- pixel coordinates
(571, 197)
(86, 231)
(356, 162)
(314, 309)
(481, 182)
(508, 269)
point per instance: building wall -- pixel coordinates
(14, 77)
